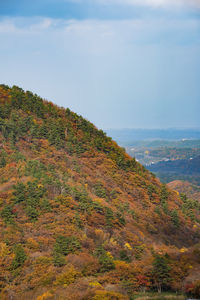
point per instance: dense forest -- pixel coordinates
(80, 218)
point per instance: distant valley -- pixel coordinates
(148, 155)
(183, 169)
(172, 155)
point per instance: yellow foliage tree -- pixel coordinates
(67, 277)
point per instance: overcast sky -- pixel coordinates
(119, 63)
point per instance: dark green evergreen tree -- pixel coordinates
(161, 272)
(20, 256)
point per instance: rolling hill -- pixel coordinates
(180, 166)
(80, 218)
(192, 191)
(182, 169)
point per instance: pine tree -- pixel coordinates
(160, 272)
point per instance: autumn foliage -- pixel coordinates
(79, 218)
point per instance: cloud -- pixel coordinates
(111, 71)
(165, 3)
(148, 30)
(151, 3)
(22, 25)
(155, 3)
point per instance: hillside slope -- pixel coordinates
(192, 191)
(79, 218)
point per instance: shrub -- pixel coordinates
(124, 256)
(35, 168)
(109, 216)
(45, 205)
(65, 245)
(2, 162)
(58, 259)
(175, 218)
(78, 221)
(121, 218)
(32, 213)
(20, 257)
(67, 277)
(157, 210)
(193, 289)
(19, 192)
(196, 290)
(99, 190)
(164, 194)
(7, 214)
(108, 295)
(106, 263)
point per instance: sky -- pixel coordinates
(118, 63)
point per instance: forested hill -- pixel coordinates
(192, 191)
(179, 169)
(179, 166)
(79, 218)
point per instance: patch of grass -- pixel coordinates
(156, 296)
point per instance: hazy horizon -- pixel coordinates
(154, 128)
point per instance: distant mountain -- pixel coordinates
(192, 191)
(128, 137)
(79, 218)
(180, 169)
(180, 166)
